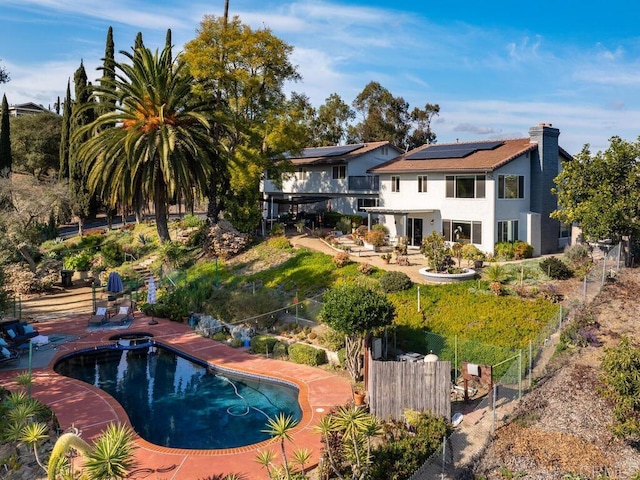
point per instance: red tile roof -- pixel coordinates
(485, 160)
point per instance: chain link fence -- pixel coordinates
(513, 374)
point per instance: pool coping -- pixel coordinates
(319, 391)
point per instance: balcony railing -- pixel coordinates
(364, 182)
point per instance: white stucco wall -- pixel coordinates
(488, 210)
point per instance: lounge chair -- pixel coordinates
(100, 317)
(122, 316)
(18, 333)
(7, 355)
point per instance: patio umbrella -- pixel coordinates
(151, 296)
(114, 283)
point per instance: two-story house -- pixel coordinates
(329, 178)
(477, 192)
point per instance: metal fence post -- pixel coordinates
(530, 363)
(444, 458)
(493, 407)
(520, 374)
(455, 357)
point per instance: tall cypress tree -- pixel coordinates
(82, 115)
(108, 73)
(64, 136)
(168, 46)
(5, 139)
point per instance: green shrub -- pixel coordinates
(263, 344)
(380, 227)
(277, 229)
(522, 250)
(471, 253)
(191, 221)
(307, 355)
(332, 340)
(80, 261)
(410, 447)
(220, 336)
(91, 241)
(395, 281)
(344, 225)
(281, 351)
(342, 356)
(176, 255)
(112, 254)
(280, 243)
(556, 268)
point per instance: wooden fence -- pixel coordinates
(420, 386)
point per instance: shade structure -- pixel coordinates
(114, 283)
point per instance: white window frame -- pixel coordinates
(395, 183)
(422, 183)
(511, 192)
(507, 230)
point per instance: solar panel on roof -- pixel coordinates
(456, 150)
(329, 151)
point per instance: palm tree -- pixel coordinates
(280, 428)
(155, 143)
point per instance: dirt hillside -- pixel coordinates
(561, 429)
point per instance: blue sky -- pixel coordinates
(495, 68)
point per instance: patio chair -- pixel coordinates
(7, 355)
(122, 316)
(100, 317)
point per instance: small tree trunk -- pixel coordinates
(353, 347)
(24, 251)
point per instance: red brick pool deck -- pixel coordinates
(91, 410)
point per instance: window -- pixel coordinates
(462, 231)
(510, 186)
(422, 183)
(366, 202)
(339, 171)
(565, 230)
(508, 231)
(385, 151)
(301, 173)
(465, 186)
(395, 184)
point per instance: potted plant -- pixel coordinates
(386, 257)
(359, 393)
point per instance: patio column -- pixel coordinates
(368, 220)
(405, 219)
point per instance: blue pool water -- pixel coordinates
(174, 402)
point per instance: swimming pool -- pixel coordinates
(176, 402)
